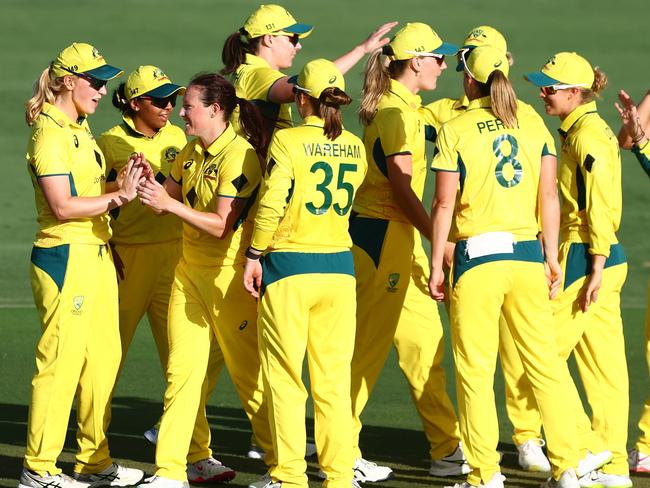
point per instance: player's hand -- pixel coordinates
(377, 39)
(437, 284)
(147, 171)
(253, 277)
(553, 272)
(154, 195)
(133, 174)
(591, 289)
(629, 116)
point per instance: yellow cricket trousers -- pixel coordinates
(208, 304)
(75, 292)
(513, 285)
(392, 272)
(643, 444)
(596, 338)
(145, 282)
(308, 305)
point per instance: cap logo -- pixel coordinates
(477, 33)
(498, 63)
(332, 79)
(95, 53)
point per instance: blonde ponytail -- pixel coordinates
(597, 87)
(46, 88)
(503, 99)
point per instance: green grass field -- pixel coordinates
(184, 37)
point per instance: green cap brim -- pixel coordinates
(106, 72)
(540, 79)
(164, 91)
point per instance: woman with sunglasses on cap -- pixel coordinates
(633, 135)
(388, 219)
(147, 247)
(72, 274)
(502, 157)
(267, 43)
(587, 309)
(211, 187)
(305, 283)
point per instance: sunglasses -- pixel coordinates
(161, 102)
(440, 59)
(547, 90)
(95, 83)
(294, 39)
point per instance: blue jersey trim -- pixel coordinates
(578, 262)
(526, 251)
(53, 261)
(643, 159)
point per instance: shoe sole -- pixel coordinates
(220, 478)
(379, 480)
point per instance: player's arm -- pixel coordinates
(65, 206)
(442, 212)
(550, 219)
(400, 174)
(639, 122)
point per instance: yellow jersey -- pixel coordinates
(135, 223)
(437, 113)
(253, 80)
(308, 190)
(590, 180)
(59, 146)
(499, 169)
(228, 168)
(397, 128)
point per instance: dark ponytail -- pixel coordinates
(234, 51)
(328, 107)
(216, 89)
(120, 101)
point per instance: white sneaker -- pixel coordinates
(160, 482)
(569, 479)
(532, 458)
(265, 482)
(209, 471)
(591, 462)
(598, 479)
(256, 452)
(496, 482)
(30, 479)
(455, 464)
(114, 475)
(152, 435)
(370, 472)
(639, 461)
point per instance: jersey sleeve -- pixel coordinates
(397, 130)
(275, 193)
(176, 171)
(241, 175)
(257, 83)
(597, 170)
(446, 158)
(432, 119)
(48, 153)
(643, 156)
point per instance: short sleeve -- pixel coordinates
(48, 152)
(240, 174)
(176, 171)
(257, 82)
(397, 131)
(446, 158)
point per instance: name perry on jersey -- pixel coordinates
(491, 125)
(334, 150)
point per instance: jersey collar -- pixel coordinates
(398, 89)
(255, 60)
(128, 120)
(314, 121)
(60, 118)
(483, 102)
(462, 103)
(226, 137)
(577, 114)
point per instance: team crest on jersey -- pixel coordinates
(210, 172)
(393, 279)
(77, 303)
(170, 154)
(243, 325)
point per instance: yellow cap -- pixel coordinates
(150, 81)
(273, 19)
(317, 75)
(482, 61)
(484, 35)
(79, 58)
(417, 39)
(564, 70)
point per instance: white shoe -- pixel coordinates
(209, 471)
(455, 464)
(569, 479)
(639, 461)
(30, 479)
(598, 479)
(591, 462)
(496, 482)
(152, 435)
(265, 482)
(114, 475)
(160, 482)
(532, 458)
(256, 452)
(370, 472)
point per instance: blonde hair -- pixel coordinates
(376, 82)
(597, 87)
(502, 97)
(46, 88)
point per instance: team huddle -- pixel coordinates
(261, 240)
